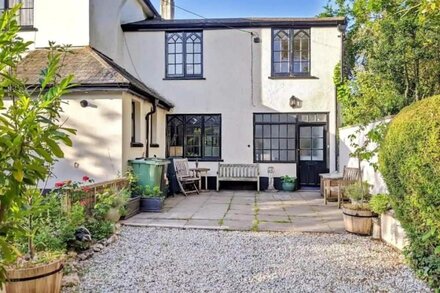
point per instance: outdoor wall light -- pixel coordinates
(85, 103)
(342, 28)
(295, 102)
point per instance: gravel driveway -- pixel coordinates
(175, 260)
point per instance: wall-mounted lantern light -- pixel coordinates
(295, 103)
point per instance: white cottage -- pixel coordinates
(246, 90)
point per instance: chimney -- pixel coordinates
(167, 9)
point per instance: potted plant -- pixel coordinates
(152, 199)
(358, 217)
(132, 207)
(34, 270)
(288, 183)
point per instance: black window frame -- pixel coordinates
(291, 33)
(185, 36)
(29, 24)
(287, 123)
(202, 157)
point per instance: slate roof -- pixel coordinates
(232, 23)
(91, 69)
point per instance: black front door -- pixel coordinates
(312, 154)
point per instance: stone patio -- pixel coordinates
(300, 211)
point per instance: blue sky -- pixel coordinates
(243, 8)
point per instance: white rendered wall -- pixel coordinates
(129, 152)
(97, 149)
(61, 21)
(227, 88)
(345, 149)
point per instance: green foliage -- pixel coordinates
(288, 179)
(357, 192)
(380, 203)
(410, 164)
(110, 199)
(99, 228)
(30, 128)
(391, 56)
(152, 192)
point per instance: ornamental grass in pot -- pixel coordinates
(358, 217)
(110, 204)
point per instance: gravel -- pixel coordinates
(175, 260)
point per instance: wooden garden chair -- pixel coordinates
(349, 176)
(186, 179)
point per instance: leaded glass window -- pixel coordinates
(291, 52)
(184, 56)
(194, 136)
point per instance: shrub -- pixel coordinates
(409, 161)
(100, 229)
(358, 192)
(380, 203)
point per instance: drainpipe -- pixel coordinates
(341, 29)
(147, 126)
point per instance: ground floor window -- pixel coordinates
(275, 137)
(195, 136)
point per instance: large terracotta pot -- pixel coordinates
(358, 221)
(43, 278)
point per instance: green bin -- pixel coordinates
(150, 171)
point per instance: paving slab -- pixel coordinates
(273, 218)
(277, 227)
(203, 224)
(239, 217)
(237, 225)
(310, 224)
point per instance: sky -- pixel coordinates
(247, 8)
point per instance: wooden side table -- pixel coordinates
(199, 173)
(326, 179)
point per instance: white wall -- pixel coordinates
(62, 21)
(97, 149)
(345, 149)
(227, 88)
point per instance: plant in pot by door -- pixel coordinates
(152, 199)
(358, 217)
(288, 183)
(132, 207)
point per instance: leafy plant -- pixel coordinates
(152, 192)
(100, 229)
(380, 203)
(409, 160)
(288, 179)
(31, 132)
(110, 199)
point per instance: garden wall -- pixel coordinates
(369, 174)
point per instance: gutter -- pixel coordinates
(148, 134)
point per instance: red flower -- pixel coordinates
(86, 189)
(86, 178)
(59, 184)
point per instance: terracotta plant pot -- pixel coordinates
(113, 215)
(43, 278)
(358, 222)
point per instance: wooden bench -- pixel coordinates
(238, 172)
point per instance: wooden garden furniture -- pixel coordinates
(186, 178)
(338, 185)
(238, 172)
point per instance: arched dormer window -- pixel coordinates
(291, 52)
(184, 56)
(26, 12)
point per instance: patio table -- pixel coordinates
(201, 172)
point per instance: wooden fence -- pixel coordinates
(89, 192)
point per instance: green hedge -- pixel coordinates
(409, 160)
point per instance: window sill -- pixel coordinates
(294, 77)
(184, 78)
(199, 160)
(154, 145)
(136, 145)
(28, 29)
